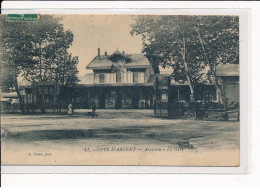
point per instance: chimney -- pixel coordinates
(98, 51)
(105, 53)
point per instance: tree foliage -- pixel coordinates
(16, 52)
(189, 44)
(36, 51)
(51, 60)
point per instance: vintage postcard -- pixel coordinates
(159, 90)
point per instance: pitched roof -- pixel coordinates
(102, 63)
(136, 61)
(227, 70)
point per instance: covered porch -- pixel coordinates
(115, 97)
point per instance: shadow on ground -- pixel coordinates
(180, 139)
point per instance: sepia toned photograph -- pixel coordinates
(148, 90)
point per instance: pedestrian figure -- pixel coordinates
(93, 107)
(70, 109)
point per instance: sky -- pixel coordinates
(106, 32)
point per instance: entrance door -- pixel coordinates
(135, 100)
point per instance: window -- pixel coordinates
(118, 77)
(135, 76)
(101, 78)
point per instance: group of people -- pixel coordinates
(93, 107)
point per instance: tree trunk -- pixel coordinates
(192, 99)
(215, 79)
(63, 68)
(41, 78)
(40, 59)
(55, 97)
(19, 96)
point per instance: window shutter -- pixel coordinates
(142, 77)
(106, 78)
(96, 78)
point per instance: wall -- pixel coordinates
(231, 88)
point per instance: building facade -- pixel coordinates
(229, 76)
(119, 81)
(125, 81)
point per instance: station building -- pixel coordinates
(127, 81)
(124, 81)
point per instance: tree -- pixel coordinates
(43, 55)
(16, 54)
(171, 41)
(219, 39)
(50, 47)
(189, 44)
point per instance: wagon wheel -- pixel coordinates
(191, 114)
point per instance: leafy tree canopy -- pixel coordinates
(167, 39)
(37, 51)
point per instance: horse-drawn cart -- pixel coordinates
(209, 111)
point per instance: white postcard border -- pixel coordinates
(245, 92)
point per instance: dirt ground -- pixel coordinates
(135, 131)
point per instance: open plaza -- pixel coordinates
(112, 129)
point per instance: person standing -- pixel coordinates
(93, 107)
(70, 109)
